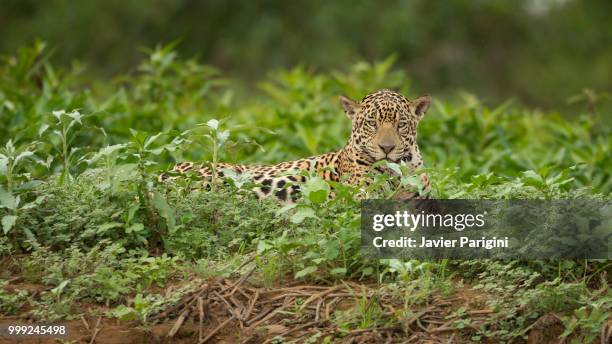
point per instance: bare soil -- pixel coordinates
(232, 311)
(225, 311)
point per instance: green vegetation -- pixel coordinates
(84, 216)
(539, 52)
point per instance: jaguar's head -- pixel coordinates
(385, 127)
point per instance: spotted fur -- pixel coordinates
(384, 127)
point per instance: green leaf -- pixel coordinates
(3, 164)
(106, 151)
(396, 265)
(137, 227)
(284, 209)
(125, 171)
(301, 214)
(125, 313)
(318, 197)
(152, 139)
(58, 290)
(263, 246)
(8, 222)
(106, 226)
(132, 211)
(42, 129)
(305, 271)
(338, 271)
(367, 271)
(411, 181)
(332, 250)
(160, 203)
(7, 200)
(395, 168)
(316, 190)
(23, 155)
(34, 203)
(532, 178)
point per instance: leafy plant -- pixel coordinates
(12, 162)
(142, 149)
(63, 129)
(108, 233)
(11, 302)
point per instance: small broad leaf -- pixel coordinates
(34, 203)
(125, 313)
(338, 271)
(301, 214)
(285, 209)
(171, 147)
(238, 179)
(396, 265)
(7, 200)
(316, 190)
(532, 178)
(367, 271)
(263, 246)
(132, 211)
(411, 181)
(125, 171)
(332, 250)
(106, 226)
(105, 152)
(318, 196)
(58, 290)
(152, 139)
(305, 272)
(137, 227)
(42, 129)
(160, 203)
(395, 168)
(46, 163)
(8, 222)
(23, 155)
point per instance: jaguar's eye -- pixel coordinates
(402, 125)
(371, 123)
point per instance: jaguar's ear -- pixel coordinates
(420, 105)
(350, 106)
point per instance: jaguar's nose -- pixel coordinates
(386, 147)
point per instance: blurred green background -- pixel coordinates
(539, 52)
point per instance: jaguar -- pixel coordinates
(384, 127)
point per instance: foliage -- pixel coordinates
(79, 194)
(539, 51)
